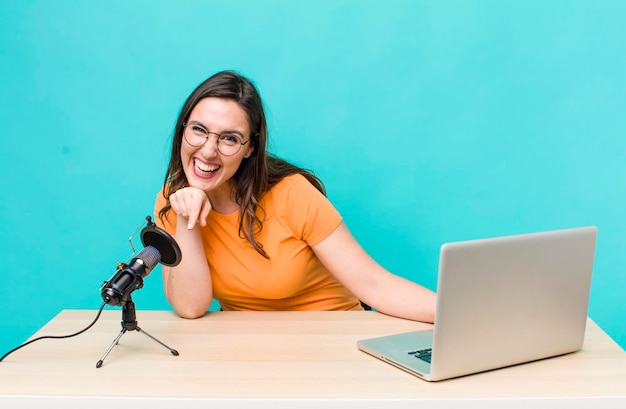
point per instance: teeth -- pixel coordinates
(206, 168)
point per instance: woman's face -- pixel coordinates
(204, 166)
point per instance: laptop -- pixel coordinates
(500, 302)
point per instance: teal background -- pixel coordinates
(429, 121)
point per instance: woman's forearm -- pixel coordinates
(188, 285)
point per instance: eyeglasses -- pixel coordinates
(228, 144)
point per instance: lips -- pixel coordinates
(204, 169)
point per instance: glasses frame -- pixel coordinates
(217, 141)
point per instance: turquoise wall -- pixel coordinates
(429, 121)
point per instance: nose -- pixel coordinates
(209, 149)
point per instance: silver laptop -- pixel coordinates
(500, 302)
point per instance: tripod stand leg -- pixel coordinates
(172, 351)
(115, 341)
(129, 323)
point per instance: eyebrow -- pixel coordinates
(221, 133)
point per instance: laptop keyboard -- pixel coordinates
(423, 354)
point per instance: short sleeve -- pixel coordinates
(306, 211)
(170, 222)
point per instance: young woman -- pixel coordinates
(256, 232)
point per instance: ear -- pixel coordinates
(249, 150)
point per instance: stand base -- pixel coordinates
(129, 322)
(122, 332)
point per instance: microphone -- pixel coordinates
(159, 247)
(129, 277)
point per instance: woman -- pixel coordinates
(256, 232)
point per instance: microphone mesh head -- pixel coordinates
(150, 256)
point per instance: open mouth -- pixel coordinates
(204, 169)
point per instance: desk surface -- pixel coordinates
(277, 356)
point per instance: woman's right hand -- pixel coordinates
(188, 285)
(191, 203)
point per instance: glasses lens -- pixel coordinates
(228, 144)
(195, 135)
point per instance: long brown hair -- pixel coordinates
(256, 174)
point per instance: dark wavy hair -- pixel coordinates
(256, 174)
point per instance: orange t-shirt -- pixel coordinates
(295, 216)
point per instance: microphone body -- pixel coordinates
(129, 277)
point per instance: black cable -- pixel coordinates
(58, 336)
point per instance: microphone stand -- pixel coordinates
(129, 323)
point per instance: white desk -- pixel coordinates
(280, 360)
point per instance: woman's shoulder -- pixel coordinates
(301, 208)
(290, 180)
(295, 185)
